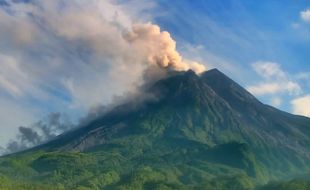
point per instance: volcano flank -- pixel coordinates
(199, 132)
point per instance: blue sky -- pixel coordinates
(72, 56)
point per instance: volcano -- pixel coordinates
(194, 132)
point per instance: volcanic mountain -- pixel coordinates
(193, 132)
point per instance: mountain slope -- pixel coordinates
(196, 131)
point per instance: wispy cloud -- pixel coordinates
(275, 87)
(275, 80)
(14, 80)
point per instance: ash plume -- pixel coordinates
(158, 48)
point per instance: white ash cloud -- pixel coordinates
(158, 48)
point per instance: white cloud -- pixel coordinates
(275, 80)
(275, 87)
(268, 70)
(301, 105)
(305, 15)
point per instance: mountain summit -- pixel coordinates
(194, 128)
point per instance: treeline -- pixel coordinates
(148, 178)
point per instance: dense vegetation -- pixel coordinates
(98, 170)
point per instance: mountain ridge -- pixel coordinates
(234, 114)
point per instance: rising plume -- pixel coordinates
(159, 48)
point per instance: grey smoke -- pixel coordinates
(53, 125)
(28, 135)
(42, 131)
(14, 146)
